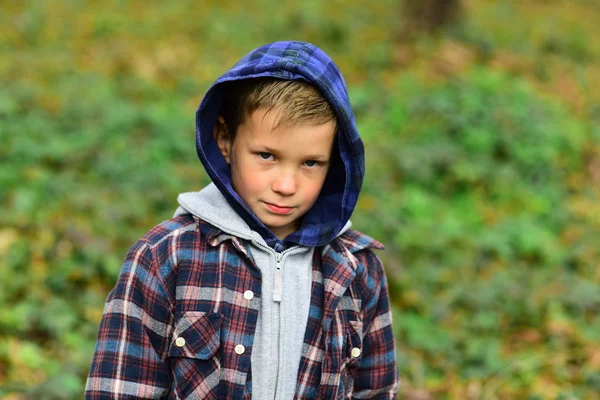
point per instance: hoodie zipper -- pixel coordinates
(278, 284)
(277, 293)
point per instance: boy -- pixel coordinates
(258, 287)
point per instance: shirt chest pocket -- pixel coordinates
(194, 357)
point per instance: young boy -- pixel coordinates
(258, 287)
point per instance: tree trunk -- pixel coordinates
(428, 16)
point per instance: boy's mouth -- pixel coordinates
(277, 209)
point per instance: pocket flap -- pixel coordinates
(196, 335)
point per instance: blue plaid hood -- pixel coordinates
(336, 202)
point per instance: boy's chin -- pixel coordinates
(282, 229)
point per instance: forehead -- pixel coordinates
(261, 129)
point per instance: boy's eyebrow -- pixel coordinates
(262, 147)
(316, 157)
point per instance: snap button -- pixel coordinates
(355, 352)
(180, 342)
(239, 349)
(248, 294)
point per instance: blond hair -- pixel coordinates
(294, 101)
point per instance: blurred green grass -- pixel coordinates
(483, 178)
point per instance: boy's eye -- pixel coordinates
(311, 163)
(265, 156)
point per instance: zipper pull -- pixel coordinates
(278, 285)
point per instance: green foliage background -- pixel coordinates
(483, 176)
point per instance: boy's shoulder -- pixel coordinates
(352, 240)
(170, 228)
(186, 231)
(180, 229)
(355, 241)
(359, 251)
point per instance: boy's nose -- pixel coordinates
(285, 184)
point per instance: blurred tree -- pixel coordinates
(428, 16)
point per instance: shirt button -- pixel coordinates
(239, 349)
(180, 342)
(248, 294)
(355, 352)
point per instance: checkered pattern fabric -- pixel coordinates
(177, 324)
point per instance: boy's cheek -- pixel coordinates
(247, 181)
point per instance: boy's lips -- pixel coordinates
(277, 209)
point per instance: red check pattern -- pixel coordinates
(177, 326)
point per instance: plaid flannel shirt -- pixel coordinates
(173, 325)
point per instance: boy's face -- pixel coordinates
(277, 172)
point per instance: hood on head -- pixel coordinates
(338, 197)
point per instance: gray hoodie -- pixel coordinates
(286, 285)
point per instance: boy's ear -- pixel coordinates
(223, 139)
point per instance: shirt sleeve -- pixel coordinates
(134, 335)
(377, 374)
